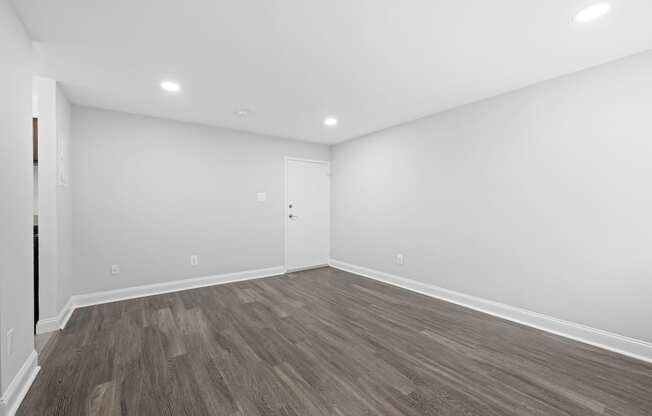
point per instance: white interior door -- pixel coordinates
(307, 213)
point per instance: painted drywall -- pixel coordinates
(16, 181)
(55, 198)
(149, 193)
(63, 199)
(537, 199)
(46, 91)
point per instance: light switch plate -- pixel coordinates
(261, 196)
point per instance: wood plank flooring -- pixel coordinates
(322, 342)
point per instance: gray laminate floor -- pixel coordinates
(322, 342)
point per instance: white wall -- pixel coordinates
(538, 199)
(64, 200)
(46, 90)
(16, 282)
(149, 193)
(55, 199)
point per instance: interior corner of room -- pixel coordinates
(368, 222)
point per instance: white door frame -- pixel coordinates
(285, 202)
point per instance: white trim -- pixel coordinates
(300, 159)
(19, 386)
(285, 201)
(58, 322)
(631, 347)
(303, 269)
(174, 286)
(97, 298)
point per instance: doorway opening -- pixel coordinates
(35, 216)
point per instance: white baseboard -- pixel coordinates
(613, 342)
(174, 286)
(97, 298)
(303, 269)
(58, 322)
(17, 389)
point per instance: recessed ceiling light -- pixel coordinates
(171, 86)
(243, 112)
(330, 122)
(592, 12)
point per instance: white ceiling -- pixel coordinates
(371, 63)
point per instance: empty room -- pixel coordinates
(326, 208)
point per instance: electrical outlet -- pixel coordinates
(115, 269)
(194, 260)
(10, 342)
(400, 260)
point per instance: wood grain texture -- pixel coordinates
(322, 342)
